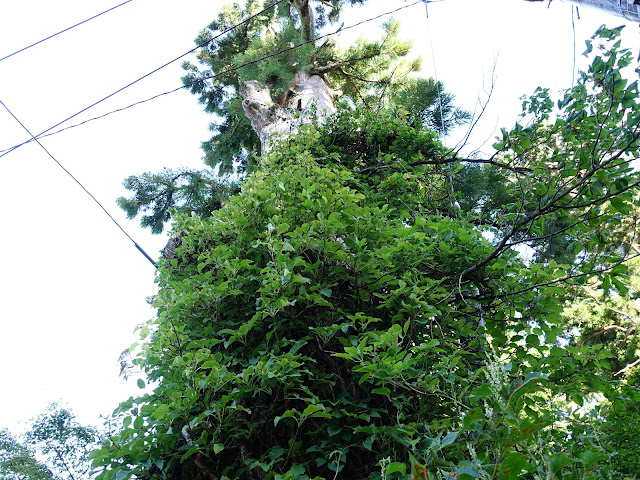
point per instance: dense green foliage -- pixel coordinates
(604, 314)
(622, 430)
(356, 313)
(610, 316)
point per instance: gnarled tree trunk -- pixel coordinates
(308, 97)
(309, 94)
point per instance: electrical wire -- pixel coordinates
(246, 20)
(62, 31)
(454, 203)
(435, 72)
(208, 77)
(573, 26)
(146, 255)
(229, 70)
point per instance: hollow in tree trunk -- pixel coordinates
(309, 97)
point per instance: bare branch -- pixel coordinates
(450, 160)
(483, 108)
(605, 330)
(488, 161)
(185, 434)
(628, 367)
(564, 279)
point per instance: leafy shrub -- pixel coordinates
(310, 330)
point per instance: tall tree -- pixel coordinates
(56, 447)
(343, 317)
(270, 75)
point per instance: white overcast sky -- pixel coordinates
(72, 287)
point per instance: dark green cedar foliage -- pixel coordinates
(190, 192)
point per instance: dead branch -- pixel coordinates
(628, 367)
(605, 330)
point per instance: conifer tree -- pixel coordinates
(372, 74)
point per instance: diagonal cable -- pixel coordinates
(233, 27)
(62, 31)
(208, 77)
(80, 184)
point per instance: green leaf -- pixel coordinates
(467, 471)
(590, 458)
(449, 439)
(558, 461)
(396, 467)
(217, 448)
(297, 470)
(287, 414)
(141, 383)
(381, 391)
(122, 474)
(282, 228)
(286, 247)
(311, 409)
(276, 453)
(620, 205)
(160, 412)
(620, 286)
(368, 443)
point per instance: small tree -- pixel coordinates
(65, 443)
(18, 461)
(56, 447)
(343, 317)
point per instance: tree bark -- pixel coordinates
(309, 97)
(306, 18)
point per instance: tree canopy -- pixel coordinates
(18, 461)
(372, 305)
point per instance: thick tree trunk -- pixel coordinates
(309, 96)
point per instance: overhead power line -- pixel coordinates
(62, 31)
(146, 255)
(208, 77)
(246, 20)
